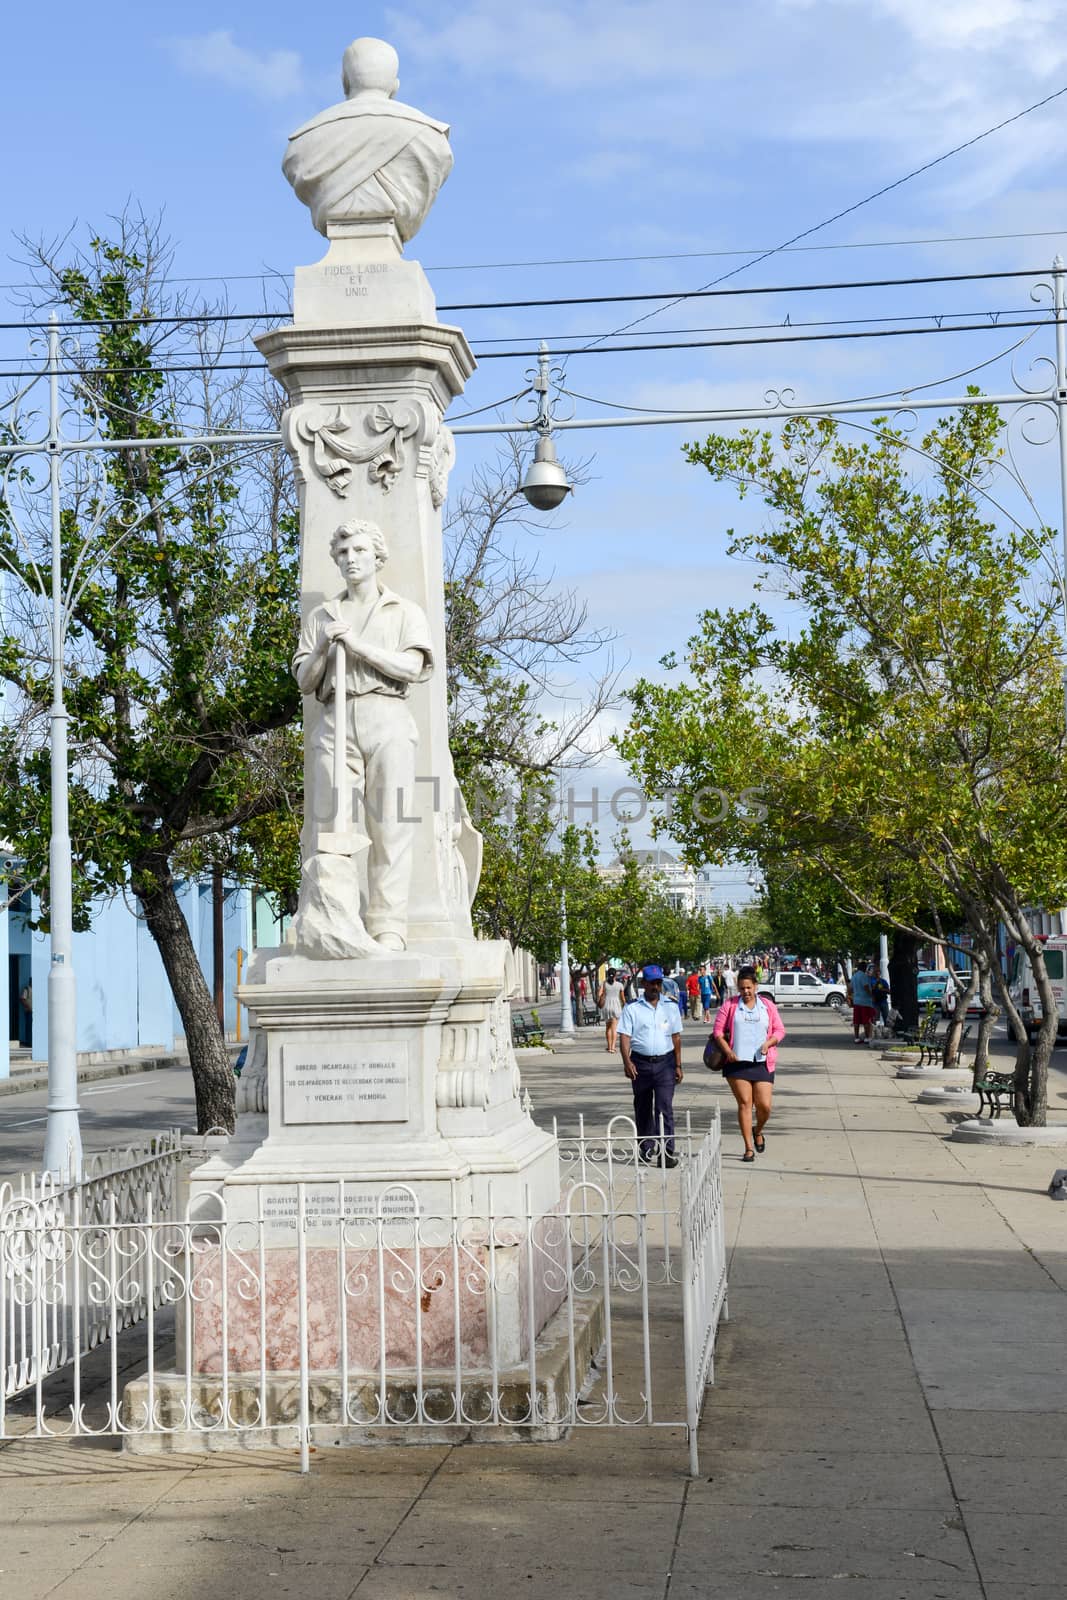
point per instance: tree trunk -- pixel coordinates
(1016, 1025)
(904, 977)
(1031, 1086)
(990, 1013)
(954, 1032)
(213, 1079)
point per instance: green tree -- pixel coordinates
(908, 732)
(180, 630)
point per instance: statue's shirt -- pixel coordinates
(369, 156)
(392, 624)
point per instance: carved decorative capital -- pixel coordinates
(331, 438)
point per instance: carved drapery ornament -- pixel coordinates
(334, 454)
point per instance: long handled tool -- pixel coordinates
(343, 839)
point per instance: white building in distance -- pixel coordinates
(687, 889)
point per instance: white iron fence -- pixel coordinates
(323, 1317)
(70, 1273)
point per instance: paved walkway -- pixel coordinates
(889, 1420)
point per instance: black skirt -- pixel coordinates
(751, 1071)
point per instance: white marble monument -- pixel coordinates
(382, 1050)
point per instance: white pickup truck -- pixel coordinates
(802, 989)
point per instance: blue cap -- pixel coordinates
(650, 974)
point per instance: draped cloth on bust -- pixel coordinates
(369, 157)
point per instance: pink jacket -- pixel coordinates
(725, 1020)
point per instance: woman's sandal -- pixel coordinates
(760, 1142)
(749, 1155)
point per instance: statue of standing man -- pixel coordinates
(386, 643)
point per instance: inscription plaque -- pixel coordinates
(364, 1084)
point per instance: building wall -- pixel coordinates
(124, 997)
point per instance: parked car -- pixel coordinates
(933, 985)
(803, 989)
(933, 981)
(1023, 990)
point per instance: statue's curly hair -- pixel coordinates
(348, 529)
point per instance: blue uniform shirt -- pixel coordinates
(650, 1028)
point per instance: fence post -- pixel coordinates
(302, 1323)
(689, 1319)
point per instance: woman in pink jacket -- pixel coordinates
(748, 1030)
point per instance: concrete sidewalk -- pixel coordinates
(889, 1418)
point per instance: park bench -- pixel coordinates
(522, 1032)
(996, 1090)
(590, 1015)
(920, 1035)
(932, 1046)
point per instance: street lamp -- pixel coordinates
(566, 1015)
(62, 1145)
(545, 485)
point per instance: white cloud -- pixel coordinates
(879, 84)
(268, 74)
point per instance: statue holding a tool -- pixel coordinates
(358, 654)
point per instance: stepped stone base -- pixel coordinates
(168, 1401)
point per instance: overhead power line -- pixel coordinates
(886, 188)
(706, 293)
(600, 350)
(607, 261)
(242, 346)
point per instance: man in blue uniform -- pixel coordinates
(650, 1038)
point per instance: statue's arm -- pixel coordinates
(312, 651)
(412, 659)
(405, 666)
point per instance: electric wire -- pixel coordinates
(856, 399)
(530, 353)
(241, 345)
(597, 261)
(757, 327)
(708, 292)
(877, 194)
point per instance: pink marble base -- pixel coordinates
(355, 1301)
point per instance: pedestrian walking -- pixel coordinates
(748, 1031)
(692, 993)
(729, 980)
(610, 1001)
(707, 991)
(863, 1009)
(650, 1038)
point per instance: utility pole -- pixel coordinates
(62, 1142)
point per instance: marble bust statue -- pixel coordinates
(369, 156)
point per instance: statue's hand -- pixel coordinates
(334, 631)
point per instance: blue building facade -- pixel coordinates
(124, 998)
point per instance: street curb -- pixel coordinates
(24, 1083)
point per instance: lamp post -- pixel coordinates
(566, 1015)
(62, 1144)
(545, 485)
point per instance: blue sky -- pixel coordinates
(590, 130)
